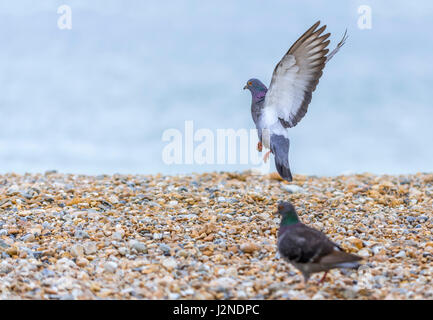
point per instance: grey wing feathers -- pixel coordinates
(305, 245)
(297, 74)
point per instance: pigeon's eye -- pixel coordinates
(250, 83)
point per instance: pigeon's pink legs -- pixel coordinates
(323, 278)
(259, 146)
(266, 157)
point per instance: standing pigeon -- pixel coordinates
(308, 249)
(285, 103)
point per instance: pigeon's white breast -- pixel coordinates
(270, 125)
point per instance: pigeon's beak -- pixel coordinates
(246, 87)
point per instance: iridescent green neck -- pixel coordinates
(290, 218)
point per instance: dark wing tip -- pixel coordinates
(343, 41)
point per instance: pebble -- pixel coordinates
(139, 246)
(364, 253)
(401, 254)
(28, 237)
(149, 237)
(117, 235)
(165, 248)
(90, 248)
(77, 250)
(110, 267)
(157, 236)
(82, 262)
(169, 263)
(291, 188)
(249, 247)
(123, 251)
(80, 234)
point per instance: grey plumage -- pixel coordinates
(308, 249)
(286, 101)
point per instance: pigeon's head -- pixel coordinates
(256, 87)
(287, 211)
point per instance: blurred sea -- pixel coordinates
(97, 98)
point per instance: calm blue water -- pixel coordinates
(96, 99)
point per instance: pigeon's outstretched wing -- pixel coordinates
(296, 76)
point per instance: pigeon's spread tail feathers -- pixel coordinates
(341, 259)
(280, 149)
(349, 265)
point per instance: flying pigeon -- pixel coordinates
(308, 249)
(286, 101)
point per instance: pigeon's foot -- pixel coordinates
(259, 146)
(323, 278)
(266, 157)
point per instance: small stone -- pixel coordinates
(110, 267)
(90, 248)
(113, 199)
(165, 248)
(249, 247)
(376, 249)
(364, 253)
(169, 263)
(356, 242)
(350, 293)
(12, 190)
(80, 234)
(401, 254)
(221, 199)
(13, 231)
(123, 251)
(3, 245)
(82, 262)
(139, 246)
(77, 250)
(292, 188)
(223, 283)
(29, 237)
(187, 292)
(182, 253)
(117, 235)
(173, 296)
(12, 251)
(157, 236)
(422, 219)
(410, 219)
(318, 296)
(5, 267)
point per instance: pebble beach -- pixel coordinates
(209, 236)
